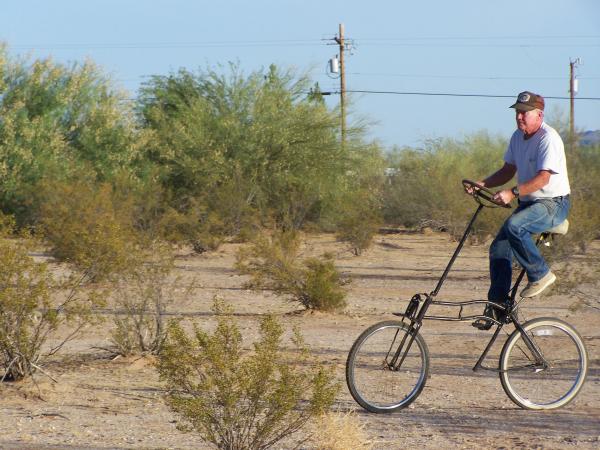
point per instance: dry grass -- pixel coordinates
(340, 431)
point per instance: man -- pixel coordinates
(536, 154)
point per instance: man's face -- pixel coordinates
(529, 121)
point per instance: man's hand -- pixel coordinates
(472, 189)
(504, 196)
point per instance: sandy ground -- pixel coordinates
(99, 402)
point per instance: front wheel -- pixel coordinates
(387, 367)
(554, 376)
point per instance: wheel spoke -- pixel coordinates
(373, 380)
(556, 378)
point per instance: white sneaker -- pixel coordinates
(534, 288)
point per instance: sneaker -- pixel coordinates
(492, 316)
(534, 288)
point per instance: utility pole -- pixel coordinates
(341, 43)
(572, 91)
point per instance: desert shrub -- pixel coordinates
(584, 217)
(33, 305)
(141, 299)
(339, 431)
(193, 224)
(274, 263)
(84, 227)
(233, 203)
(359, 220)
(242, 399)
(322, 286)
(577, 268)
(425, 187)
(356, 210)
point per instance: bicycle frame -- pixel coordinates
(419, 304)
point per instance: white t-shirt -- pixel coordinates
(543, 151)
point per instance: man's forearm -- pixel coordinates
(536, 183)
(500, 177)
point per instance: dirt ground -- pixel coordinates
(99, 402)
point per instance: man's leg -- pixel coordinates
(501, 256)
(533, 218)
(500, 277)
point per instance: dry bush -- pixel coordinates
(31, 307)
(142, 298)
(426, 184)
(192, 224)
(339, 431)
(239, 399)
(577, 264)
(359, 221)
(273, 263)
(85, 228)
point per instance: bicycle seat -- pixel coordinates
(561, 228)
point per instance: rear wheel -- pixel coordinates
(548, 383)
(376, 378)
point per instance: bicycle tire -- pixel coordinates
(372, 383)
(529, 384)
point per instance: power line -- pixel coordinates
(466, 38)
(466, 77)
(485, 45)
(448, 94)
(166, 45)
(418, 41)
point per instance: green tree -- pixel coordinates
(260, 134)
(58, 121)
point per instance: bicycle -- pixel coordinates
(542, 365)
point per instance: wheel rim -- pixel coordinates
(375, 384)
(536, 387)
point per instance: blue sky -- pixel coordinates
(456, 47)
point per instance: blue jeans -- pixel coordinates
(515, 239)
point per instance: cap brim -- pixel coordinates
(522, 107)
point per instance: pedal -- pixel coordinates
(482, 324)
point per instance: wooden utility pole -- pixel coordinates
(572, 92)
(572, 113)
(341, 43)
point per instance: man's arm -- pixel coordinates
(501, 176)
(537, 182)
(498, 178)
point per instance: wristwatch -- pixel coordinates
(515, 191)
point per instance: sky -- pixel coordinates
(493, 49)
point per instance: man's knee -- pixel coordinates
(513, 227)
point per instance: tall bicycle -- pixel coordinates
(543, 363)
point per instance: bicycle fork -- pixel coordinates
(399, 355)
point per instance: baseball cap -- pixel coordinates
(527, 101)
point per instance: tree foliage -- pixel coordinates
(244, 144)
(56, 121)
